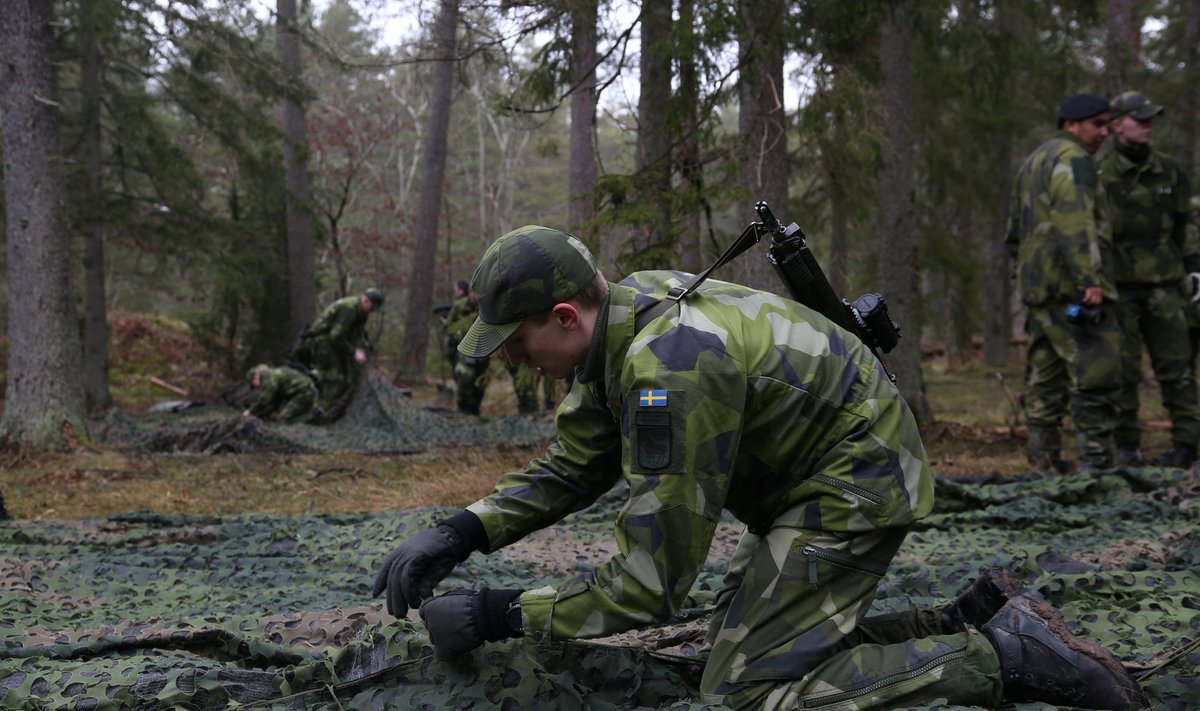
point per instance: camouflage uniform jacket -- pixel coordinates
(737, 400)
(460, 317)
(1148, 207)
(1056, 225)
(280, 386)
(343, 325)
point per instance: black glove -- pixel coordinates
(410, 572)
(461, 620)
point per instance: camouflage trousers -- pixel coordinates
(526, 381)
(300, 408)
(789, 632)
(1071, 365)
(470, 383)
(1155, 316)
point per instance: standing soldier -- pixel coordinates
(1155, 263)
(1193, 307)
(1060, 239)
(285, 395)
(336, 345)
(457, 299)
(470, 374)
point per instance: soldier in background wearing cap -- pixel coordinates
(1157, 269)
(1060, 239)
(735, 400)
(335, 347)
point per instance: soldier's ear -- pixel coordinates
(566, 315)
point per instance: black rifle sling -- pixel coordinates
(676, 294)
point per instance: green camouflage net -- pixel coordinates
(150, 611)
(379, 419)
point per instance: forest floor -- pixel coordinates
(976, 431)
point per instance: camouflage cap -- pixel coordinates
(526, 272)
(1135, 104)
(260, 369)
(1195, 203)
(374, 295)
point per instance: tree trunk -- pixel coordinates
(1189, 101)
(839, 207)
(1123, 45)
(997, 278)
(44, 398)
(95, 310)
(301, 280)
(898, 255)
(653, 139)
(582, 206)
(688, 255)
(762, 128)
(433, 169)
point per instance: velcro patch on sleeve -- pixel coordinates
(1084, 171)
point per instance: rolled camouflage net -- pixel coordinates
(379, 419)
(150, 611)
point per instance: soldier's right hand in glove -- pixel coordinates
(1192, 286)
(410, 572)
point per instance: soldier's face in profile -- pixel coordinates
(1091, 132)
(1131, 130)
(555, 345)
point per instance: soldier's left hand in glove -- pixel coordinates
(461, 620)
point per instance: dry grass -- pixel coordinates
(96, 484)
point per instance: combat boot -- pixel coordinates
(1047, 463)
(1181, 456)
(1128, 455)
(1040, 660)
(982, 599)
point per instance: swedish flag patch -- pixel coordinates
(653, 398)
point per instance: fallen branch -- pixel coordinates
(167, 386)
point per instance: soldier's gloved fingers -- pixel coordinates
(381, 578)
(399, 598)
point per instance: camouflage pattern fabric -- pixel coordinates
(1148, 199)
(287, 394)
(526, 383)
(379, 419)
(330, 342)
(1154, 316)
(736, 400)
(207, 613)
(1075, 365)
(1056, 225)
(470, 383)
(1147, 203)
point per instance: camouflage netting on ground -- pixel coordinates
(379, 419)
(149, 611)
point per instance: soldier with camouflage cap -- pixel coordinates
(1060, 240)
(336, 344)
(1157, 272)
(734, 400)
(285, 395)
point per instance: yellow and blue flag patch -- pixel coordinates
(653, 398)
